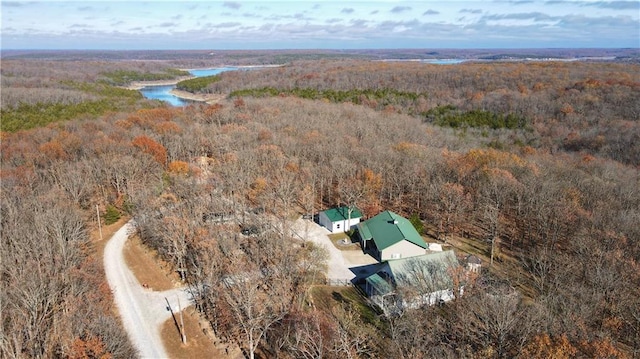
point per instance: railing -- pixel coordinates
(339, 282)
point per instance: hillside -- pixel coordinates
(540, 158)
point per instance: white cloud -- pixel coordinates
(232, 5)
(617, 5)
(380, 23)
(399, 9)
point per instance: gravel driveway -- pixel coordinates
(339, 261)
(142, 311)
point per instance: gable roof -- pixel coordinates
(429, 271)
(433, 265)
(342, 213)
(388, 228)
(472, 259)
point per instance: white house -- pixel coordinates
(413, 282)
(337, 219)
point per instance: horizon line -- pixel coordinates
(335, 49)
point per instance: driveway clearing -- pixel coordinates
(142, 311)
(338, 264)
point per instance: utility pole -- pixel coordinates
(99, 225)
(182, 332)
(233, 198)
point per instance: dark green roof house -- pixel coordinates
(390, 236)
(340, 219)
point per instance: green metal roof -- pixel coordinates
(388, 228)
(380, 284)
(428, 271)
(431, 269)
(342, 213)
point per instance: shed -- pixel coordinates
(474, 264)
(340, 219)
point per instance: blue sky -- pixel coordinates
(318, 24)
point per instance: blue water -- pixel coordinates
(163, 93)
(444, 61)
(211, 72)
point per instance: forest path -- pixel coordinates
(142, 311)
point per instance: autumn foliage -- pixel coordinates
(149, 146)
(91, 348)
(178, 167)
(558, 195)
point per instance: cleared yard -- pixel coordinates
(340, 262)
(343, 242)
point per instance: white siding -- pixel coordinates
(473, 267)
(432, 298)
(401, 249)
(338, 226)
(435, 247)
(353, 223)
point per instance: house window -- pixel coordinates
(338, 226)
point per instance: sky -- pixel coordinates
(319, 24)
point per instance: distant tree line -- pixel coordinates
(584, 107)
(197, 84)
(124, 77)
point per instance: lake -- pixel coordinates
(211, 72)
(444, 61)
(428, 61)
(163, 93)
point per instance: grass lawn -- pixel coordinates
(343, 242)
(338, 236)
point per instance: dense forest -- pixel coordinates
(538, 160)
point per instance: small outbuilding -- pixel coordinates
(340, 219)
(474, 264)
(435, 247)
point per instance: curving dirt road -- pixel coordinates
(142, 310)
